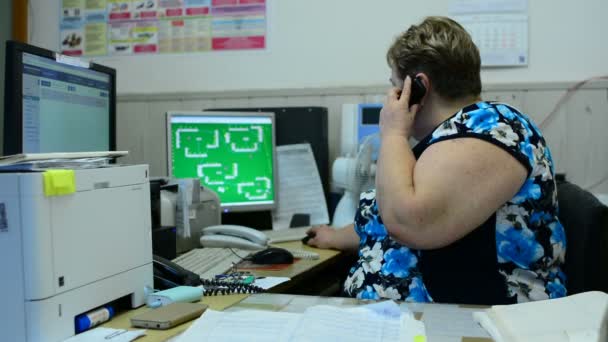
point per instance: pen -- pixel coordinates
(114, 334)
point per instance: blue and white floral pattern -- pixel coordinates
(530, 241)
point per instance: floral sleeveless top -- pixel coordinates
(515, 256)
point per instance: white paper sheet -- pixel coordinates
(300, 189)
(246, 325)
(387, 308)
(102, 334)
(327, 323)
(579, 317)
(268, 282)
(318, 323)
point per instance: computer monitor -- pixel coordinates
(232, 153)
(55, 103)
(299, 125)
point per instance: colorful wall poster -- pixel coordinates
(132, 27)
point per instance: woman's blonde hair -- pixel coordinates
(442, 49)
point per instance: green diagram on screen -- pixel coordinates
(235, 160)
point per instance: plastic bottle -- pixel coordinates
(93, 318)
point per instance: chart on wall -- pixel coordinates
(135, 27)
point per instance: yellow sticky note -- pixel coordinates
(419, 338)
(59, 182)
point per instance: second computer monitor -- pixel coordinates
(55, 103)
(231, 153)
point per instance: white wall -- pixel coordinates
(337, 43)
(330, 52)
(576, 134)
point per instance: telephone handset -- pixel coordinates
(168, 274)
(233, 236)
(417, 90)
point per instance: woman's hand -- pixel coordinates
(326, 237)
(396, 117)
(322, 236)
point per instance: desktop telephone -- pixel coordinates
(233, 236)
(168, 274)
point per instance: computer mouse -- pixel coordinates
(309, 235)
(272, 255)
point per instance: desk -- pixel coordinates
(301, 272)
(325, 271)
(444, 322)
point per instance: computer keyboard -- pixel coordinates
(209, 262)
(285, 235)
(302, 254)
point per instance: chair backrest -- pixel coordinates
(585, 220)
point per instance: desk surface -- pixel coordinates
(443, 322)
(298, 271)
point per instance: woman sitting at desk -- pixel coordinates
(470, 214)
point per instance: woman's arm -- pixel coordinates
(450, 190)
(344, 239)
(453, 188)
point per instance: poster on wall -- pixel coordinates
(135, 27)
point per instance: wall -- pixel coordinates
(327, 53)
(320, 43)
(6, 31)
(575, 134)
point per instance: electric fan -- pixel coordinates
(354, 175)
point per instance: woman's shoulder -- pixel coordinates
(494, 120)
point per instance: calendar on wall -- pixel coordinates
(132, 27)
(499, 28)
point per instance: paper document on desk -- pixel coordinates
(68, 160)
(102, 334)
(580, 317)
(318, 323)
(300, 189)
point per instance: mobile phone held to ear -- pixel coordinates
(418, 91)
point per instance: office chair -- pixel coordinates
(585, 220)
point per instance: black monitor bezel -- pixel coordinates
(13, 95)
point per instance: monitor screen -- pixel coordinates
(231, 153)
(57, 106)
(368, 120)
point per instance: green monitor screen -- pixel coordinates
(231, 153)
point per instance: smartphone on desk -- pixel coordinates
(169, 316)
(233, 236)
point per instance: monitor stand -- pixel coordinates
(260, 220)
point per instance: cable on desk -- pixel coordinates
(219, 287)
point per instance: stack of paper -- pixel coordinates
(318, 323)
(300, 187)
(58, 160)
(580, 317)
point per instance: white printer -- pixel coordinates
(61, 256)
